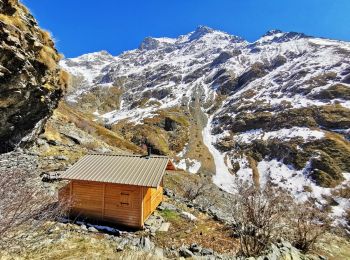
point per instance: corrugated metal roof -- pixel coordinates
(119, 168)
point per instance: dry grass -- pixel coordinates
(49, 57)
(7, 102)
(64, 79)
(46, 38)
(343, 192)
(333, 247)
(14, 20)
(253, 165)
(72, 155)
(52, 241)
(205, 232)
(51, 133)
(85, 123)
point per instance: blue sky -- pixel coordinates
(83, 26)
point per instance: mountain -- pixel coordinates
(274, 110)
(31, 83)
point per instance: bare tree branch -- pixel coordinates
(21, 202)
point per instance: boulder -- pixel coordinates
(164, 227)
(61, 158)
(168, 192)
(183, 251)
(188, 216)
(207, 251)
(92, 229)
(167, 206)
(195, 248)
(83, 227)
(146, 244)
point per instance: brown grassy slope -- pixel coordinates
(86, 123)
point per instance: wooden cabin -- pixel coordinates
(122, 189)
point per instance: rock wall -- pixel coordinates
(31, 83)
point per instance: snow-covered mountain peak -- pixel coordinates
(281, 101)
(99, 55)
(200, 32)
(277, 36)
(272, 32)
(150, 43)
(202, 35)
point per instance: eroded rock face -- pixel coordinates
(31, 84)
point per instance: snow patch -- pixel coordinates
(223, 178)
(283, 134)
(301, 186)
(190, 165)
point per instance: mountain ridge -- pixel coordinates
(229, 108)
(173, 40)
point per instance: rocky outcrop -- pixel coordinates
(31, 84)
(19, 160)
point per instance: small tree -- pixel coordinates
(21, 202)
(258, 217)
(307, 224)
(263, 216)
(196, 189)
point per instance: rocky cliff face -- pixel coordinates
(31, 84)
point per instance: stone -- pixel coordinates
(195, 248)
(164, 227)
(159, 252)
(146, 244)
(102, 150)
(207, 251)
(119, 248)
(61, 158)
(188, 216)
(83, 227)
(40, 141)
(190, 205)
(53, 142)
(183, 251)
(92, 229)
(154, 222)
(168, 206)
(74, 137)
(168, 192)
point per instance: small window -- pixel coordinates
(125, 199)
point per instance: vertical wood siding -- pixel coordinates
(157, 197)
(123, 204)
(147, 200)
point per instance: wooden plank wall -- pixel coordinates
(147, 200)
(87, 199)
(123, 204)
(157, 197)
(116, 203)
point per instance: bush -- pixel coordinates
(263, 216)
(193, 190)
(20, 204)
(258, 217)
(307, 223)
